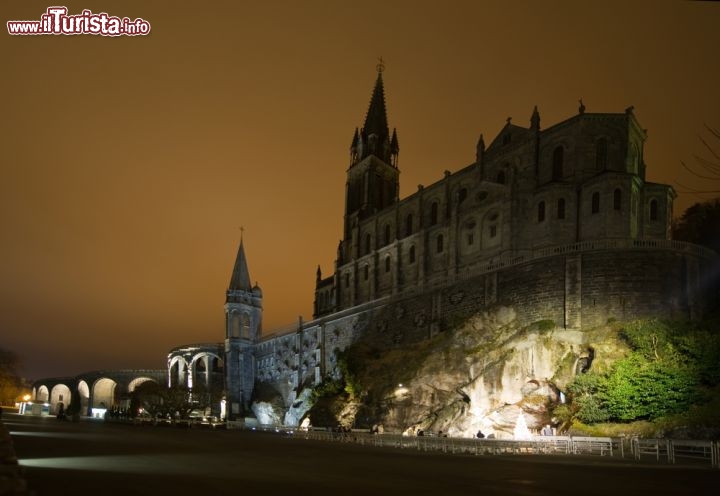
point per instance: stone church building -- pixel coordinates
(558, 223)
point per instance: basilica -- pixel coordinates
(557, 222)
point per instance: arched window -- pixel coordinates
(434, 214)
(653, 209)
(617, 199)
(245, 326)
(387, 234)
(411, 254)
(490, 227)
(440, 246)
(408, 225)
(347, 280)
(595, 208)
(387, 263)
(234, 325)
(367, 272)
(557, 170)
(368, 240)
(561, 208)
(501, 177)
(462, 194)
(541, 211)
(601, 154)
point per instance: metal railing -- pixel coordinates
(669, 450)
(672, 450)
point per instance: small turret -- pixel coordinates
(480, 150)
(535, 120)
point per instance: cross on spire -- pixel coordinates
(380, 65)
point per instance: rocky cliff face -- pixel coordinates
(486, 374)
(491, 376)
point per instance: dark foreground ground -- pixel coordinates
(115, 459)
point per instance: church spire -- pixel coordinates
(376, 118)
(374, 138)
(240, 279)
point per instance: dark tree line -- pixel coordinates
(10, 383)
(700, 224)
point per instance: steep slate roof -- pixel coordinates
(241, 276)
(376, 118)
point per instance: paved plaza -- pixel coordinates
(94, 457)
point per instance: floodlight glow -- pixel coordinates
(98, 412)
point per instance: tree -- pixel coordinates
(699, 225)
(706, 168)
(671, 366)
(10, 383)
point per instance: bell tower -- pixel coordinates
(243, 325)
(373, 175)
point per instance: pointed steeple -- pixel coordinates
(535, 119)
(240, 279)
(376, 118)
(374, 137)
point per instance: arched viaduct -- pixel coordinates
(100, 389)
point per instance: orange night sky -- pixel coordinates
(129, 164)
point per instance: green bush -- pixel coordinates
(670, 368)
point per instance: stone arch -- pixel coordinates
(137, 381)
(177, 372)
(60, 394)
(201, 368)
(43, 394)
(103, 393)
